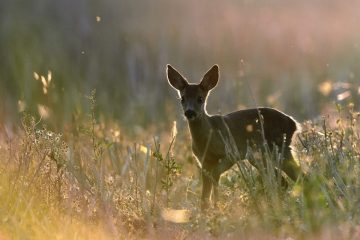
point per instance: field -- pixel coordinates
(93, 143)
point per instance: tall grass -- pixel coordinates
(93, 180)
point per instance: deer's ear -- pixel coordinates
(210, 78)
(175, 79)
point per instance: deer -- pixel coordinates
(245, 127)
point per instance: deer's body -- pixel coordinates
(210, 134)
(244, 127)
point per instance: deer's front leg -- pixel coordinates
(216, 178)
(206, 189)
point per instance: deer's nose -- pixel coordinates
(190, 114)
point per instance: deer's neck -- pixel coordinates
(200, 129)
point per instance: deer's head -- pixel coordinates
(193, 96)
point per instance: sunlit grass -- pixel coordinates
(26, 213)
(92, 181)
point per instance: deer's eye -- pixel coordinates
(200, 99)
(182, 99)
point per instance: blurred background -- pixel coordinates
(298, 56)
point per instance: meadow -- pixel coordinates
(93, 144)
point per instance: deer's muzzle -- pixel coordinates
(190, 114)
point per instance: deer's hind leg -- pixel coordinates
(263, 168)
(289, 166)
